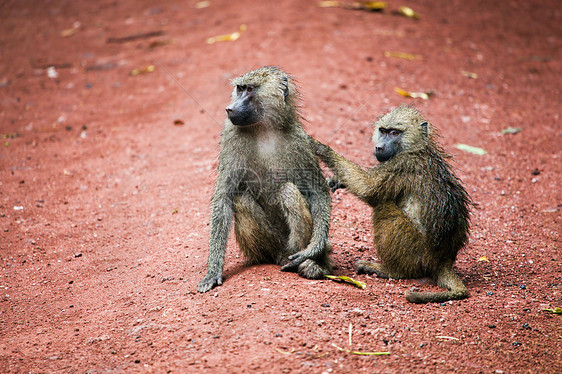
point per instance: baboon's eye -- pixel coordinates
(395, 132)
(249, 88)
(240, 88)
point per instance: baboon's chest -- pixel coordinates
(268, 147)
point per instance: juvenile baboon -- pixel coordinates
(270, 181)
(420, 208)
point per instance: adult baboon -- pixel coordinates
(270, 181)
(420, 209)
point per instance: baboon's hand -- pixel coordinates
(334, 184)
(297, 259)
(210, 281)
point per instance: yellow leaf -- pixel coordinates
(483, 259)
(202, 4)
(329, 4)
(408, 12)
(414, 95)
(227, 37)
(147, 69)
(370, 5)
(348, 280)
(402, 55)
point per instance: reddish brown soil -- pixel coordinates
(104, 202)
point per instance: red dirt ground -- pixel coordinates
(104, 201)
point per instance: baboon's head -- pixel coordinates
(265, 96)
(403, 129)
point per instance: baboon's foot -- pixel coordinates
(366, 267)
(312, 270)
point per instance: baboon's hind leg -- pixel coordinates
(256, 236)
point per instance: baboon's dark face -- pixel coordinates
(243, 110)
(388, 143)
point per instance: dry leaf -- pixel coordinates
(372, 6)
(130, 38)
(447, 337)
(178, 122)
(361, 353)
(402, 55)
(329, 4)
(350, 350)
(227, 37)
(483, 259)
(471, 149)
(159, 43)
(148, 69)
(469, 74)
(408, 12)
(414, 95)
(202, 4)
(512, 130)
(285, 352)
(369, 5)
(68, 32)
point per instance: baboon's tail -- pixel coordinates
(446, 279)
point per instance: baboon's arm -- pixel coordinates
(221, 220)
(359, 182)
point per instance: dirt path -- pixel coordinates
(104, 199)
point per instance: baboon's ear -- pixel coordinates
(424, 127)
(285, 85)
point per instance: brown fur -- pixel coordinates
(420, 209)
(270, 181)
